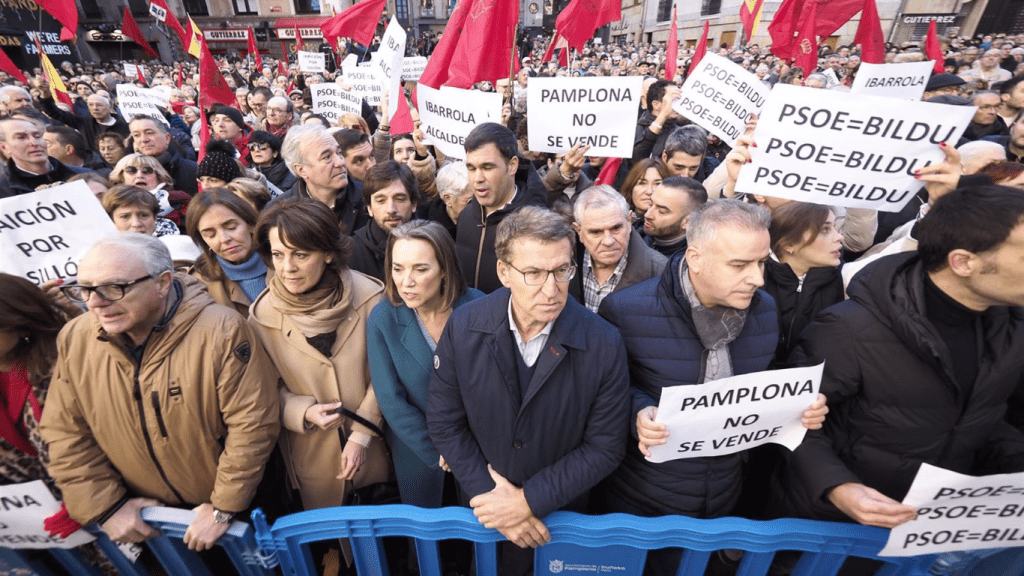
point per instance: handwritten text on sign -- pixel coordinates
(720, 96)
(449, 114)
(46, 233)
(857, 151)
(958, 512)
(25, 507)
(312, 62)
(905, 81)
(331, 101)
(735, 414)
(597, 112)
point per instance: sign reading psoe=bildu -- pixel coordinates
(852, 150)
(595, 112)
(721, 96)
(959, 512)
(737, 413)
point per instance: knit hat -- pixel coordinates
(233, 113)
(219, 161)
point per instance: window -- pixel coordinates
(246, 6)
(710, 7)
(91, 9)
(139, 7)
(664, 10)
(306, 6)
(197, 7)
(402, 11)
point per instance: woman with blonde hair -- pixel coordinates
(147, 173)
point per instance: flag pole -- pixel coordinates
(511, 66)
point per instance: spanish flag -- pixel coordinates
(750, 16)
(195, 38)
(57, 88)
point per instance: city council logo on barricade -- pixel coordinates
(555, 566)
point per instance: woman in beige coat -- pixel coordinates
(312, 320)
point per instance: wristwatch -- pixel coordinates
(222, 517)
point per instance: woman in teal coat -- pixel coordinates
(423, 284)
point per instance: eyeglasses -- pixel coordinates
(131, 170)
(257, 147)
(538, 277)
(108, 292)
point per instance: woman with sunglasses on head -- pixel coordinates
(147, 173)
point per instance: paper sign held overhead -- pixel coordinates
(905, 81)
(413, 67)
(331, 101)
(449, 114)
(387, 62)
(851, 150)
(737, 413)
(364, 82)
(597, 112)
(312, 62)
(720, 96)
(134, 101)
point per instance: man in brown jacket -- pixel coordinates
(159, 396)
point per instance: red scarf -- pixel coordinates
(16, 389)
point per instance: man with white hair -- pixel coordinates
(611, 253)
(13, 97)
(987, 69)
(453, 194)
(312, 154)
(280, 116)
(101, 117)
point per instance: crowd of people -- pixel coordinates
(317, 309)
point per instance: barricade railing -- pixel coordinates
(612, 544)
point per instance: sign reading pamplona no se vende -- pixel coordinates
(595, 112)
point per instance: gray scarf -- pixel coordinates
(716, 328)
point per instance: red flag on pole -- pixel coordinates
(401, 122)
(254, 50)
(204, 133)
(162, 12)
(550, 52)
(142, 77)
(130, 28)
(7, 66)
(672, 50)
(358, 22)
(933, 49)
(64, 12)
(298, 39)
(869, 36)
(701, 49)
(486, 46)
(608, 172)
(436, 72)
(213, 89)
(807, 40)
(281, 70)
(789, 27)
(581, 18)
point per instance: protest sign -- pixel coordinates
(349, 61)
(449, 114)
(23, 509)
(162, 95)
(958, 512)
(331, 101)
(830, 77)
(387, 61)
(47, 232)
(364, 83)
(720, 96)
(905, 81)
(413, 67)
(599, 112)
(851, 150)
(134, 101)
(737, 413)
(131, 71)
(312, 62)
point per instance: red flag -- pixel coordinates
(750, 16)
(608, 172)
(142, 77)
(298, 39)
(672, 50)
(869, 36)
(933, 49)
(130, 28)
(581, 18)
(213, 88)
(159, 10)
(789, 27)
(180, 74)
(254, 50)
(401, 122)
(7, 66)
(357, 22)
(487, 44)
(807, 41)
(436, 72)
(204, 133)
(551, 49)
(64, 12)
(783, 28)
(700, 50)
(281, 70)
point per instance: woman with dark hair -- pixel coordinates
(221, 224)
(804, 277)
(423, 284)
(639, 183)
(312, 321)
(265, 149)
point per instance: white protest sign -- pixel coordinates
(331, 101)
(737, 413)
(958, 512)
(905, 81)
(364, 84)
(830, 77)
(25, 508)
(349, 61)
(449, 114)
(162, 94)
(413, 67)
(131, 71)
(312, 62)
(46, 233)
(720, 96)
(134, 101)
(852, 150)
(599, 112)
(387, 61)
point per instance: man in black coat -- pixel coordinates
(528, 402)
(29, 167)
(390, 195)
(919, 364)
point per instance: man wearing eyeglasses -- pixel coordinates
(160, 397)
(528, 403)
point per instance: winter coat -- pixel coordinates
(894, 402)
(822, 288)
(308, 377)
(642, 262)
(182, 170)
(227, 292)
(664, 349)
(15, 181)
(348, 206)
(194, 422)
(371, 243)
(558, 437)
(278, 174)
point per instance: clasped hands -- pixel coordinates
(506, 510)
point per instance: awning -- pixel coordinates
(301, 22)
